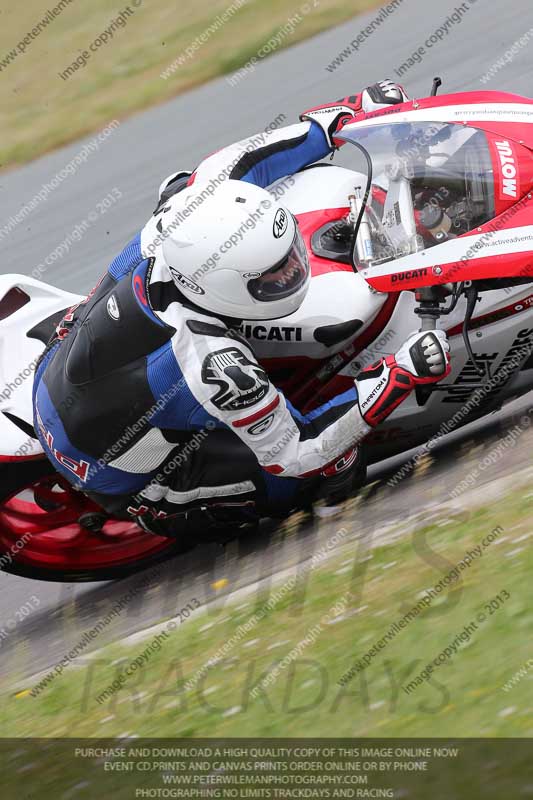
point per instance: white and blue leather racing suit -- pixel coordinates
(154, 406)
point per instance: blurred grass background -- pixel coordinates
(464, 697)
(40, 110)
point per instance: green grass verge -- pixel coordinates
(41, 110)
(463, 698)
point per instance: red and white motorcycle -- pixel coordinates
(432, 224)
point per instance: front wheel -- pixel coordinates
(41, 536)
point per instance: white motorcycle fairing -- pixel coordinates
(337, 295)
(24, 304)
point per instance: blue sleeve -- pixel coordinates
(267, 164)
(347, 397)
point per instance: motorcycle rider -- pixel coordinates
(147, 397)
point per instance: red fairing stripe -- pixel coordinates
(9, 459)
(240, 423)
(512, 265)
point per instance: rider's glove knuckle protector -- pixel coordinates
(425, 356)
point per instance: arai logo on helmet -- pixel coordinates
(509, 171)
(281, 223)
(186, 282)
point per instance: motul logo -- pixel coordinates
(509, 171)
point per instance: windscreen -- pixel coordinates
(431, 182)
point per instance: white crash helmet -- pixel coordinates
(237, 252)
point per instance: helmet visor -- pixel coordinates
(285, 278)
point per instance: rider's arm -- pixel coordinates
(224, 376)
(266, 157)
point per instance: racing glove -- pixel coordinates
(424, 358)
(384, 93)
(333, 116)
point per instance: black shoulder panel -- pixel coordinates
(97, 380)
(114, 333)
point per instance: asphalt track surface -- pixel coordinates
(134, 159)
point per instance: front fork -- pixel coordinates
(429, 309)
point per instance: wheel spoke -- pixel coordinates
(57, 538)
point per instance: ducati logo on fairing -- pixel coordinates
(410, 275)
(509, 170)
(281, 222)
(270, 333)
(112, 308)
